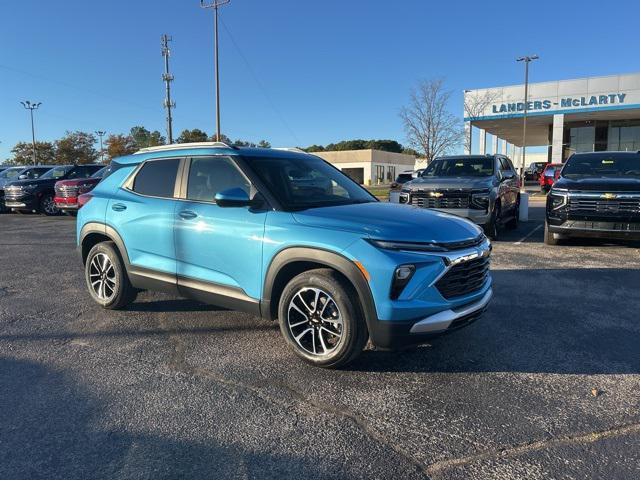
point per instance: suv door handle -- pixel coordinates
(187, 215)
(118, 207)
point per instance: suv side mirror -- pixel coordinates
(233, 197)
(506, 175)
(23, 177)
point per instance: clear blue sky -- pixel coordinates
(333, 69)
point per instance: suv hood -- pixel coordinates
(615, 184)
(391, 221)
(449, 182)
(33, 181)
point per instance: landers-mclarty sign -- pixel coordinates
(567, 102)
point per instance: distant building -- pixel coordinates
(369, 167)
(566, 116)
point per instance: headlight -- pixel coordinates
(558, 199)
(480, 199)
(407, 246)
(404, 197)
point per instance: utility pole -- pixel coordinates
(526, 59)
(167, 78)
(101, 133)
(216, 4)
(31, 107)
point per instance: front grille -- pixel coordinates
(464, 278)
(13, 193)
(66, 191)
(440, 198)
(594, 206)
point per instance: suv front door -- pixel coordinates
(218, 249)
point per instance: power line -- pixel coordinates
(260, 85)
(167, 78)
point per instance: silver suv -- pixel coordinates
(483, 188)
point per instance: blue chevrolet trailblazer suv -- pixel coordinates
(281, 234)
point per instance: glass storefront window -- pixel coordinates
(582, 139)
(624, 136)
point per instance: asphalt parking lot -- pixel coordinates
(546, 385)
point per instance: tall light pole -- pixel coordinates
(31, 107)
(216, 4)
(101, 133)
(526, 59)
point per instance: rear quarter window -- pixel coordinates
(157, 178)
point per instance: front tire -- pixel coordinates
(48, 206)
(321, 319)
(491, 227)
(107, 278)
(549, 237)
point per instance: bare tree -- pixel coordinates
(430, 127)
(475, 106)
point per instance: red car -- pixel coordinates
(549, 175)
(68, 191)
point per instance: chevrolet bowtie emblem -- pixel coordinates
(608, 196)
(435, 194)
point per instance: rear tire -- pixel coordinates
(321, 319)
(515, 221)
(107, 278)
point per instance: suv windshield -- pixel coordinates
(404, 177)
(307, 182)
(99, 173)
(460, 167)
(57, 172)
(611, 164)
(10, 172)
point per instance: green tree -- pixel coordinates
(264, 144)
(76, 147)
(243, 143)
(191, 136)
(120, 145)
(143, 138)
(23, 153)
(315, 148)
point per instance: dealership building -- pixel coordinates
(563, 117)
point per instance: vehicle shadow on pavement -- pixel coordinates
(564, 321)
(172, 305)
(51, 429)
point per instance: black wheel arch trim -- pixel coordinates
(329, 259)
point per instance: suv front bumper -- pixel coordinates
(479, 217)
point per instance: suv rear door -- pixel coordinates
(142, 211)
(508, 185)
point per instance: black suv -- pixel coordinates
(12, 174)
(36, 195)
(597, 195)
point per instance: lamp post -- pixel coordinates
(216, 4)
(31, 107)
(526, 59)
(101, 133)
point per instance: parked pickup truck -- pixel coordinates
(483, 188)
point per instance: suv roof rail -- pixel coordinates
(290, 149)
(179, 146)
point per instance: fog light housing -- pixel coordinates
(404, 197)
(401, 277)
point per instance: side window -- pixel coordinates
(80, 172)
(208, 176)
(157, 178)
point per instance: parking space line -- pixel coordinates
(519, 242)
